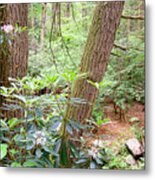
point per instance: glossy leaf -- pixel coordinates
(3, 150)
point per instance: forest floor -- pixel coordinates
(115, 133)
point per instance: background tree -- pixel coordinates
(68, 10)
(43, 24)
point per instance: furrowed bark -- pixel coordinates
(14, 55)
(94, 61)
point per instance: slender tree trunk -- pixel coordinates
(141, 13)
(95, 57)
(43, 24)
(56, 13)
(84, 10)
(33, 42)
(14, 55)
(68, 10)
(84, 14)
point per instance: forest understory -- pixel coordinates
(72, 80)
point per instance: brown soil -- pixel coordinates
(117, 132)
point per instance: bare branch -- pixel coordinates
(123, 48)
(133, 17)
(120, 47)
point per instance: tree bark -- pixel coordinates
(97, 50)
(84, 10)
(55, 17)
(33, 41)
(43, 25)
(13, 63)
(68, 9)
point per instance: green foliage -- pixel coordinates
(67, 48)
(118, 160)
(92, 159)
(38, 139)
(43, 137)
(138, 131)
(3, 148)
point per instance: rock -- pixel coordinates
(135, 147)
(130, 160)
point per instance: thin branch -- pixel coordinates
(133, 17)
(114, 54)
(123, 48)
(120, 47)
(50, 40)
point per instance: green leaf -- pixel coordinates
(50, 150)
(103, 121)
(57, 145)
(73, 149)
(13, 151)
(76, 125)
(3, 124)
(69, 129)
(21, 98)
(18, 137)
(63, 154)
(23, 28)
(56, 126)
(92, 165)
(3, 91)
(14, 122)
(95, 84)
(16, 164)
(81, 161)
(30, 163)
(3, 150)
(30, 143)
(134, 119)
(81, 76)
(99, 161)
(38, 153)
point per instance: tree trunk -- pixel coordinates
(141, 13)
(95, 57)
(84, 10)
(43, 25)
(13, 62)
(33, 41)
(55, 17)
(68, 10)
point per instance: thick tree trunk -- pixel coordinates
(95, 57)
(14, 56)
(43, 24)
